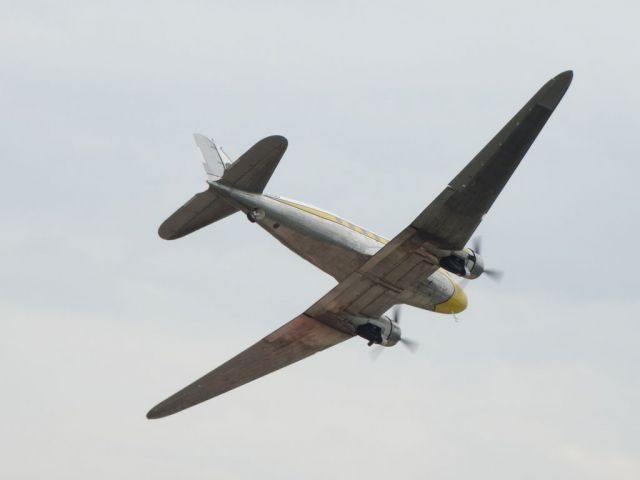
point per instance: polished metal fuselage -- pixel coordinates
(334, 245)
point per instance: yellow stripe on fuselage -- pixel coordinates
(332, 218)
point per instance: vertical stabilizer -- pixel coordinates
(215, 160)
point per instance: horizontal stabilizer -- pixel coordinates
(254, 168)
(203, 209)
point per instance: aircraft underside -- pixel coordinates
(374, 275)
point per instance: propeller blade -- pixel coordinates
(476, 244)
(395, 314)
(493, 274)
(411, 345)
(375, 352)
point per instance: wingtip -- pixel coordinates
(551, 93)
(155, 413)
(168, 407)
(279, 139)
(167, 233)
(565, 76)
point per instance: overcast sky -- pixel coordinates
(382, 106)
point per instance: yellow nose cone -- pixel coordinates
(456, 303)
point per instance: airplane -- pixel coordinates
(418, 267)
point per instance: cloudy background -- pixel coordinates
(382, 105)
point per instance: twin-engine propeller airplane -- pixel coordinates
(373, 274)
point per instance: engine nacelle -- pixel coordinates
(465, 263)
(382, 331)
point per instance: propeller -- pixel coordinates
(375, 351)
(410, 344)
(493, 273)
(395, 314)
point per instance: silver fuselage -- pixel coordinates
(334, 245)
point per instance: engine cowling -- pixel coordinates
(382, 331)
(466, 263)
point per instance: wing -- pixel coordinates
(388, 277)
(301, 337)
(450, 220)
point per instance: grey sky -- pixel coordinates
(382, 105)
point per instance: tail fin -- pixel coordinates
(215, 160)
(250, 172)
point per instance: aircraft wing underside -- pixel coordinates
(382, 282)
(295, 340)
(450, 220)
